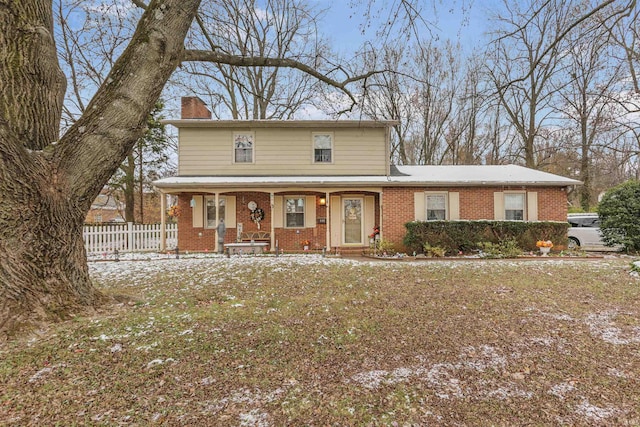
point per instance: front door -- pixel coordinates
(352, 220)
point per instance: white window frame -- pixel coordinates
(446, 204)
(313, 147)
(221, 202)
(304, 211)
(523, 195)
(236, 139)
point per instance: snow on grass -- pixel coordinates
(602, 325)
(481, 371)
(595, 413)
(442, 377)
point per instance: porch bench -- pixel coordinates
(255, 236)
(246, 247)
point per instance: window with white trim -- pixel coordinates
(514, 206)
(322, 148)
(436, 205)
(243, 147)
(294, 212)
(210, 211)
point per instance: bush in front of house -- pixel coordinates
(619, 211)
(470, 236)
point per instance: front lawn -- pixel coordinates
(312, 341)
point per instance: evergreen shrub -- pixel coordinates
(469, 236)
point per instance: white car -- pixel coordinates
(584, 233)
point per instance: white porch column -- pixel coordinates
(163, 222)
(272, 234)
(381, 212)
(217, 202)
(327, 214)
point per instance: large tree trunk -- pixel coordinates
(43, 266)
(46, 188)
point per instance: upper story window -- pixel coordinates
(294, 212)
(514, 205)
(210, 211)
(322, 147)
(436, 206)
(243, 147)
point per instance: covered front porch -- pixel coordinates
(291, 219)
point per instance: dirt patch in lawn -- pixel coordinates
(316, 341)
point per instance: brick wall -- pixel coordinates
(475, 204)
(193, 239)
(398, 209)
(204, 239)
(194, 108)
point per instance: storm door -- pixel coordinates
(352, 220)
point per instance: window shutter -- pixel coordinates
(336, 221)
(454, 206)
(230, 211)
(369, 214)
(197, 211)
(419, 205)
(310, 211)
(278, 212)
(532, 206)
(498, 206)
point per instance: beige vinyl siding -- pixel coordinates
(281, 151)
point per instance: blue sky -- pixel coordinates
(342, 23)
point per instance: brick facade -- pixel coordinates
(288, 239)
(476, 203)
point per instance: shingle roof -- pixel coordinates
(426, 176)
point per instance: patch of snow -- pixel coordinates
(601, 325)
(370, 379)
(617, 373)
(207, 381)
(116, 348)
(156, 362)
(44, 372)
(254, 418)
(595, 413)
(561, 390)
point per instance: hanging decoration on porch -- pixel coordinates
(257, 214)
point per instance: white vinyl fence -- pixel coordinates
(129, 237)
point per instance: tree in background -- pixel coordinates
(619, 211)
(149, 160)
(274, 28)
(587, 99)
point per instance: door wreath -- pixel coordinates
(257, 215)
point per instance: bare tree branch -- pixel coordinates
(250, 61)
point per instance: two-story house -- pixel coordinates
(326, 184)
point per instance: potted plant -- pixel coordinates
(544, 246)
